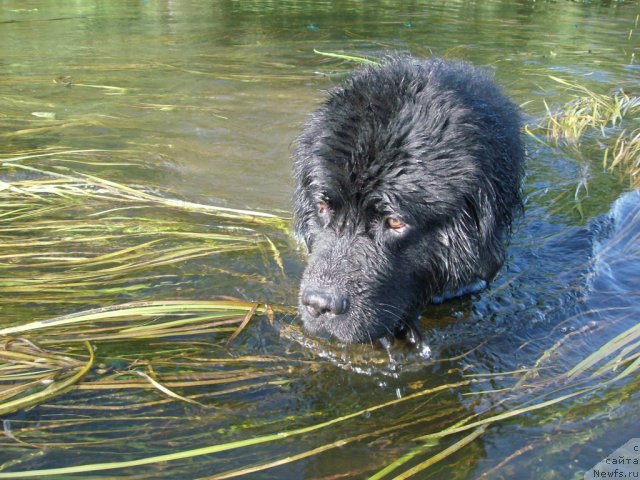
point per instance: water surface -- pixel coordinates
(202, 100)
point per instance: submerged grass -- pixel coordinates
(592, 121)
(553, 391)
(588, 110)
(25, 366)
(118, 319)
(349, 58)
(624, 157)
(78, 238)
(68, 238)
(11, 399)
(73, 236)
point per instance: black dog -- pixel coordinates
(407, 179)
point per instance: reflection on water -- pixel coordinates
(201, 100)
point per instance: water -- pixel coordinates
(203, 100)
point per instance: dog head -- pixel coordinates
(399, 196)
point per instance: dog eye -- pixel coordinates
(395, 224)
(323, 207)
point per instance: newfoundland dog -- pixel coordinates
(406, 181)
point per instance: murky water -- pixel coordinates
(202, 100)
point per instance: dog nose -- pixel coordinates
(325, 301)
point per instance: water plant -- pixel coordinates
(106, 255)
(595, 119)
(588, 110)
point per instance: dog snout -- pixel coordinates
(324, 300)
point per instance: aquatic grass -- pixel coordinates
(75, 237)
(587, 109)
(60, 271)
(624, 157)
(327, 447)
(463, 442)
(54, 385)
(68, 237)
(348, 58)
(150, 315)
(626, 344)
(465, 424)
(477, 427)
(472, 427)
(24, 366)
(78, 184)
(239, 384)
(208, 450)
(589, 126)
(567, 388)
(421, 449)
(109, 89)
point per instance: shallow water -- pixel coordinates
(203, 100)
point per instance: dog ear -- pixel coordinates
(303, 205)
(303, 211)
(482, 209)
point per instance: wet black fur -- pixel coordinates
(434, 143)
